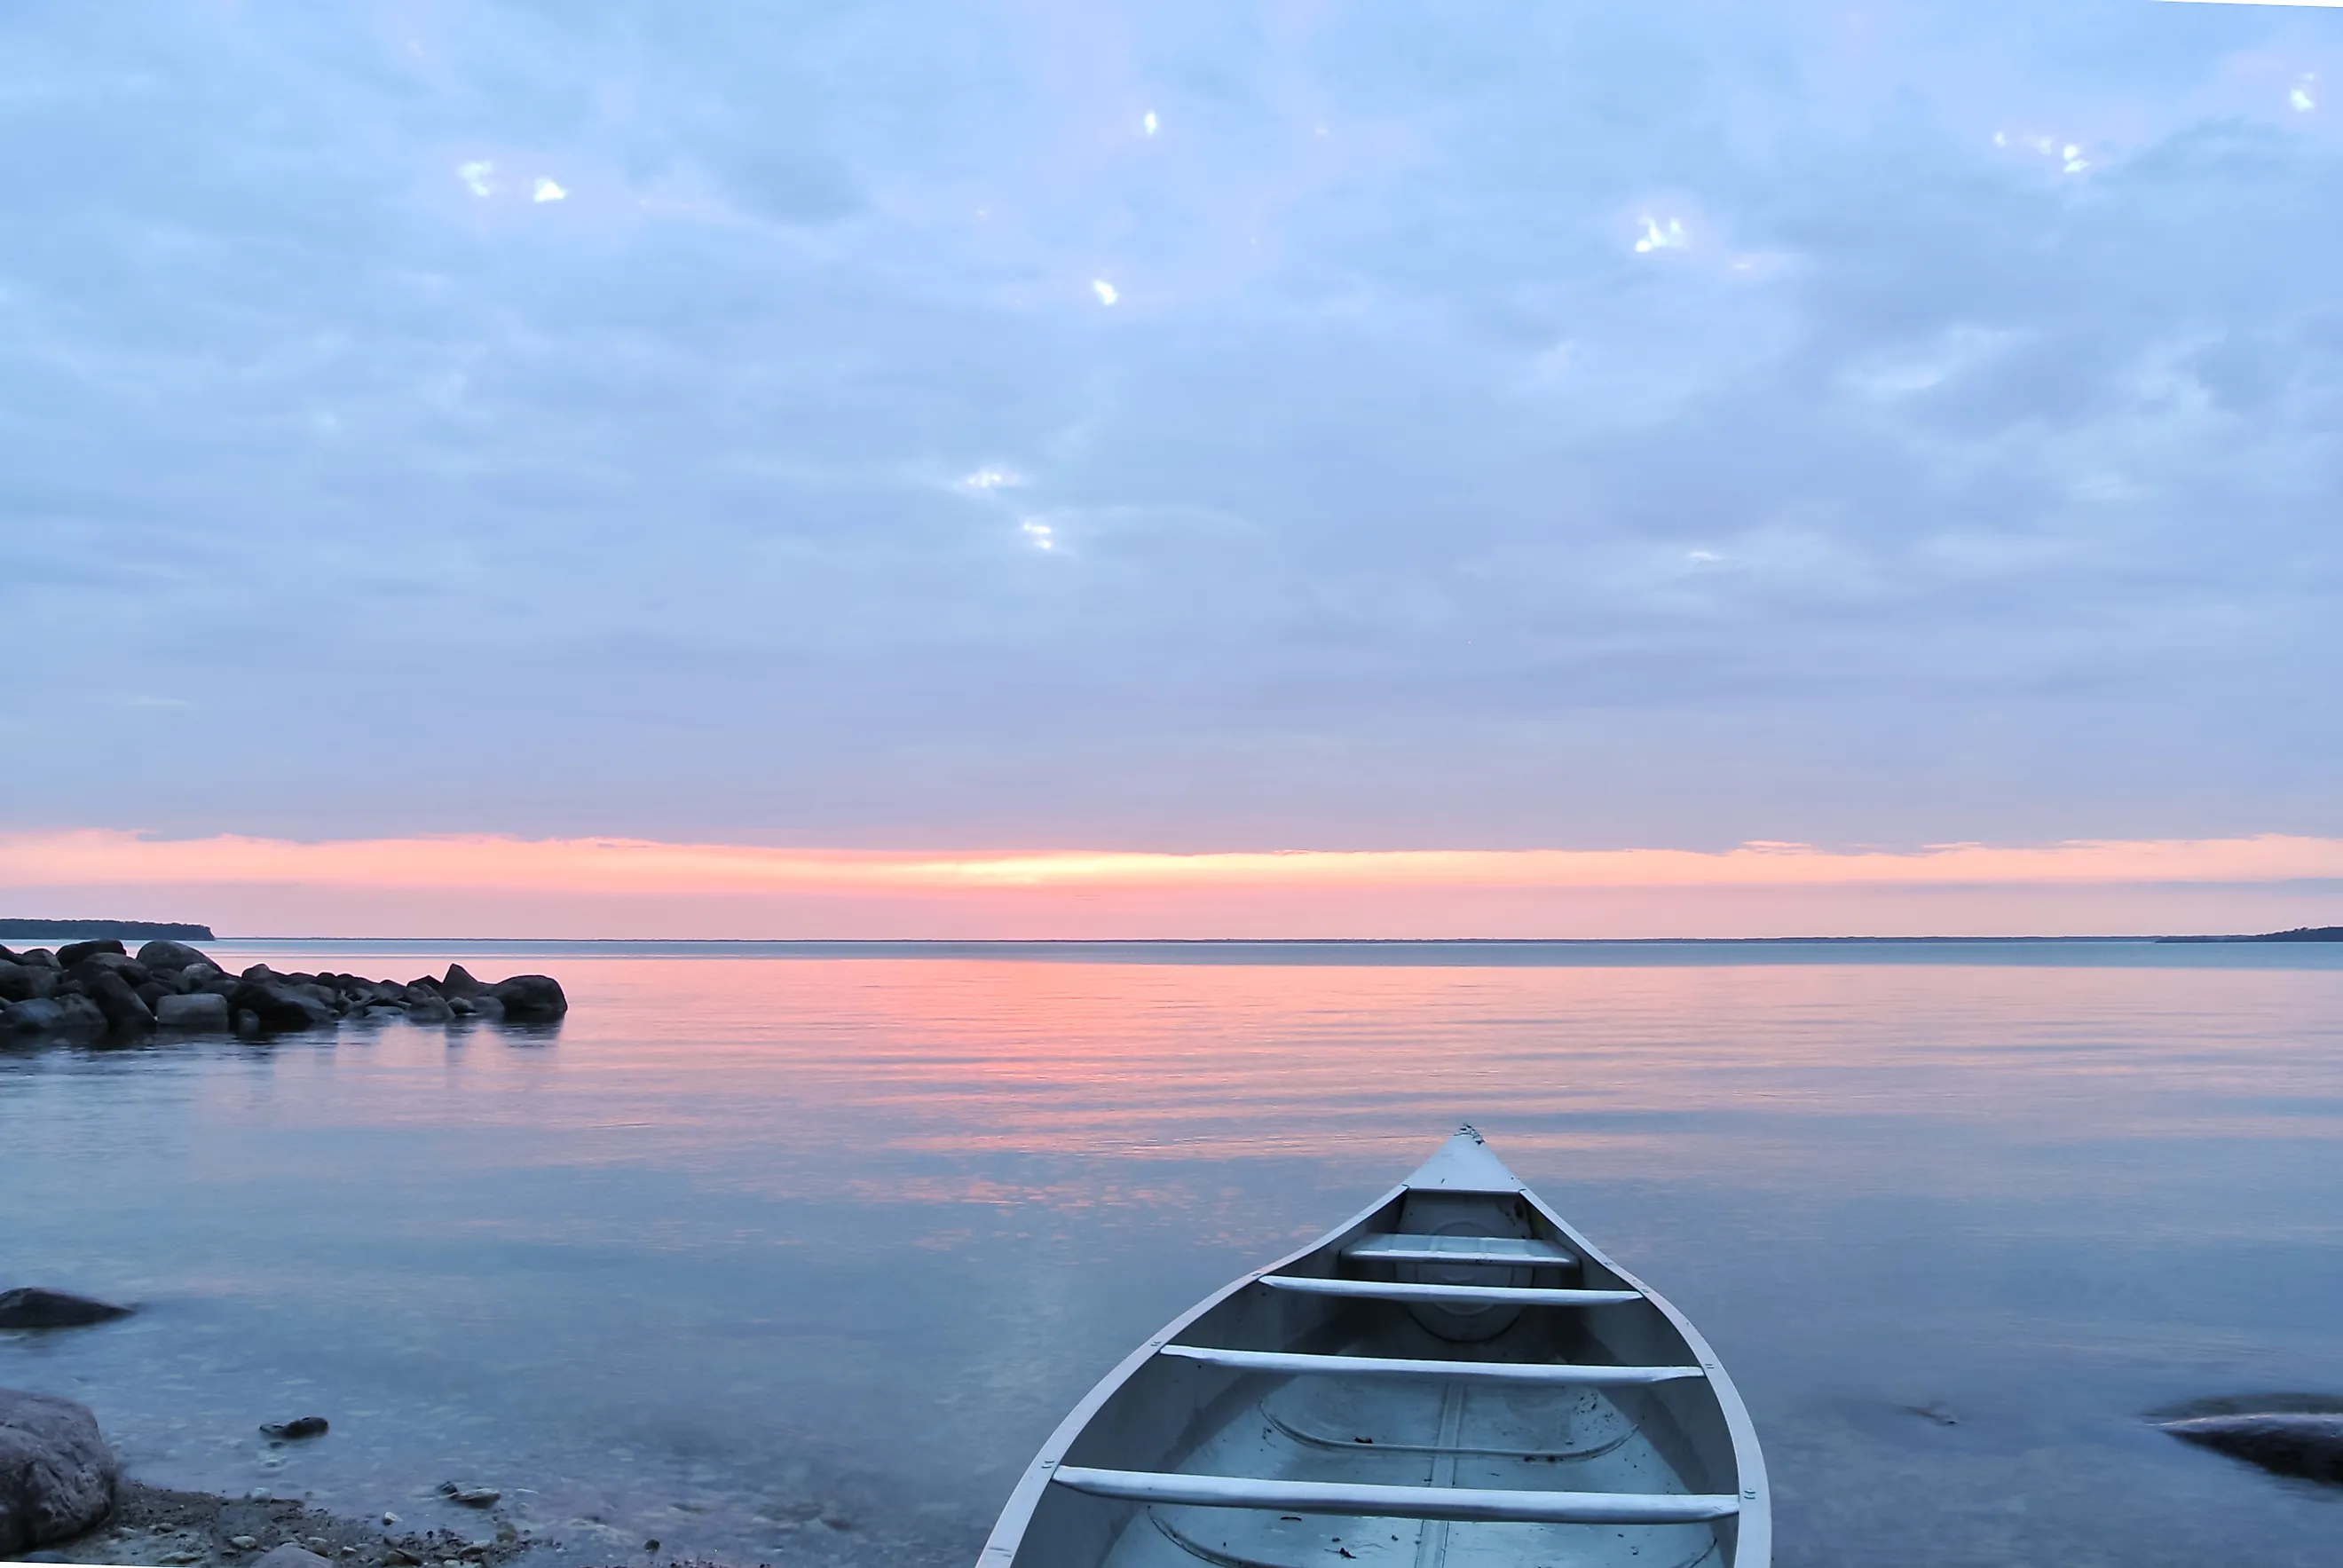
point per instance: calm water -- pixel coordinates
(780, 1227)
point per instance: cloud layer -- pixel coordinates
(1244, 427)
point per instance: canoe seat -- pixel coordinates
(1550, 1372)
(1399, 1501)
(1488, 1295)
(1392, 1248)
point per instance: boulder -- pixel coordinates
(38, 1016)
(56, 1474)
(529, 998)
(18, 983)
(459, 982)
(125, 1010)
(194, 976)
(172, 955)
(31, 1307)
(428, 1008)
(153, 991)
(80, 1016)
(73, 953)
(160, 956)
(38, 957)
(2309, 1444)
(261, 972)
(196, 1010)
(274, 1005)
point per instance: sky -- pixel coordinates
(980, 431)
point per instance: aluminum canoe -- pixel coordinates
(1453, 1378)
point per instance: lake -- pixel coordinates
(768, 1231)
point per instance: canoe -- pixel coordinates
(1453, 1378)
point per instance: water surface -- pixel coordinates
(768, 1226)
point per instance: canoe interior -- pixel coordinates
(1163, 1413)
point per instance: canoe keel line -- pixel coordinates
(1452, 1379)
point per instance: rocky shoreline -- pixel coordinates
(97, 990)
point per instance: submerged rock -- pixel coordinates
(31, 1307)
(57, 1474)
(2305, 1443)
(300, 1426)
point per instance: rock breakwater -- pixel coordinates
(97, 990)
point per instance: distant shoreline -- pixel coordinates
(122, 931)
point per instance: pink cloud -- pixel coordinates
(484, 885)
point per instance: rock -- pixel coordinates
(39, 1015)
(38, 957)
(125, 1012)
(31, 1307)
(56, 1474)
(196, 977)
(300, 1426)
(459, 982)
(2301, 1444)
(244, 1542)
(197, 1010)
(18, 983)
(159, 956)
(73, 953)
(79, 1016)
(275, 1004)
(469, 1497)
(153, 991)
(530, 999)
(288, 1556)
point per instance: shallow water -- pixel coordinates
(761, 1227)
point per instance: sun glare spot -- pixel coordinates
(477, 177)
(1044, 537)
(1656, 237)
(545, 190)
(1107, 293)
(1149, 123)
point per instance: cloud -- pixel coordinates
(443, 518)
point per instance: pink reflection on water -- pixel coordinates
(952, 1067)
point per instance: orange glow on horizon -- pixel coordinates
(103, 858)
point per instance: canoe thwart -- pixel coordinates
(1388, 1366)
(1398, 1502)
(1514, 1295)
(1393, 1248)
